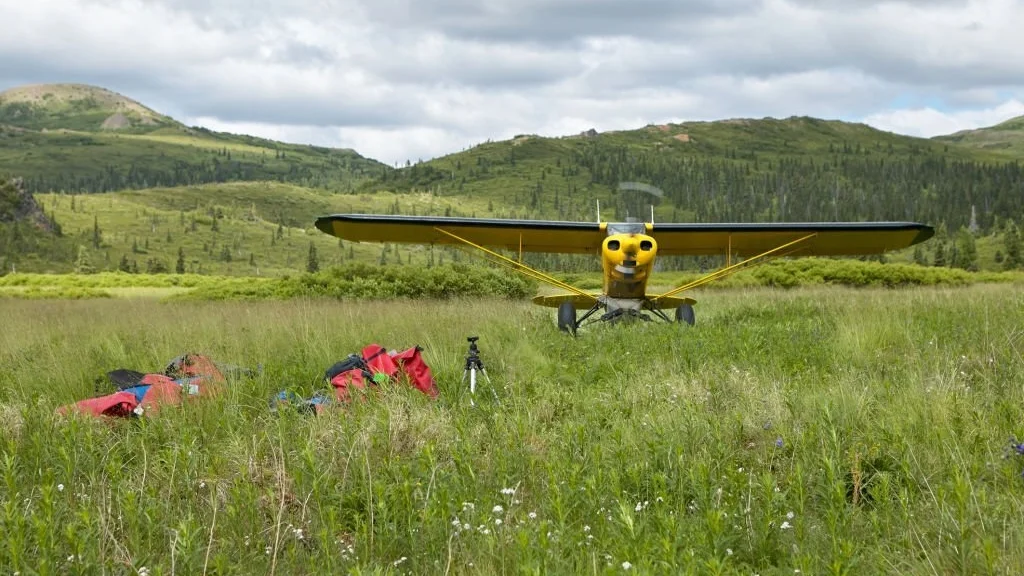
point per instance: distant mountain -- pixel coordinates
(77, 107)
(74, 137)
(1006, 137)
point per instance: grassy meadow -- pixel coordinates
(828, 430)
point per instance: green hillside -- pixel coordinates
(77, 107)
(1005, 138)
(87, 139)
(799, 169)
(172, 182)
(244, 228)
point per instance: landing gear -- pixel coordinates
(567, 317)
(684, 313)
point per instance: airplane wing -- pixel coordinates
(830, 239)
(516, 235)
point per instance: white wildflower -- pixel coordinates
(508, 491)
(789, 515)
(143, 571)
(626, 565)
(586, 528)
(728, 551)
(399, 561)
(497, 521)
(532, 515)
(786, 526)
(60, 487)
(468, 506)
(466, 526)
(639, 507)
(497, 509)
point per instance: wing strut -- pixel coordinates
(523, 268)
(722, 273)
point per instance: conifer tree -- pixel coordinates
(312, 264)
(1012, 243)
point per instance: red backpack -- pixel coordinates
(379, 366)
(411, 362)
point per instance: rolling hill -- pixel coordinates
(171, 183)
(81, 138)
(1006, 138)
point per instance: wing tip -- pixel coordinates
(924, 233)
(324, 224)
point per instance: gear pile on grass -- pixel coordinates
(196, 376)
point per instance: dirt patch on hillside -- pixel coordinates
(116, 122)
(682, 137)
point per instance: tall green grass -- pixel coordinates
(826, 430)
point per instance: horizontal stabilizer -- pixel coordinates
(579, 301)
(672, 302)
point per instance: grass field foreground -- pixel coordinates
(825, 430)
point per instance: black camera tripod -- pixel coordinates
(473, 363)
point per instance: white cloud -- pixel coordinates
(405, 79)
(928, 122)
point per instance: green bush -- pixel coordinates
(365, 281)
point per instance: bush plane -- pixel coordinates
(628, 250)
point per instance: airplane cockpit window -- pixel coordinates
(626, 228)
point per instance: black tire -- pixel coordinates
(685, 314)
(567, 317)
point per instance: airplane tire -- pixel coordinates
(685, 314)
(567, 317)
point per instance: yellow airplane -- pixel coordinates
(628, 251)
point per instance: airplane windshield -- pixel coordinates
(626, 228)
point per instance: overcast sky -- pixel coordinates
(411, 79)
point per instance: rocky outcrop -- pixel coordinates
(18, 205)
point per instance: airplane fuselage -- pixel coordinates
(627, 258)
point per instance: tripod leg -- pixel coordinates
(492, 385)
(472, 386)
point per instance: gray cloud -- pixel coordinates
(407, 78)
(554, 21)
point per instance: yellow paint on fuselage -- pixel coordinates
(627, 260)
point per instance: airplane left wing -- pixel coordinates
(823, 238)
(515, 235)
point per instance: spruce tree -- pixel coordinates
(1012, 243)
(312, 264)
(179, 267)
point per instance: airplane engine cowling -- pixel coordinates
(627, 261)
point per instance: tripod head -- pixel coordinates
(473, 357)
